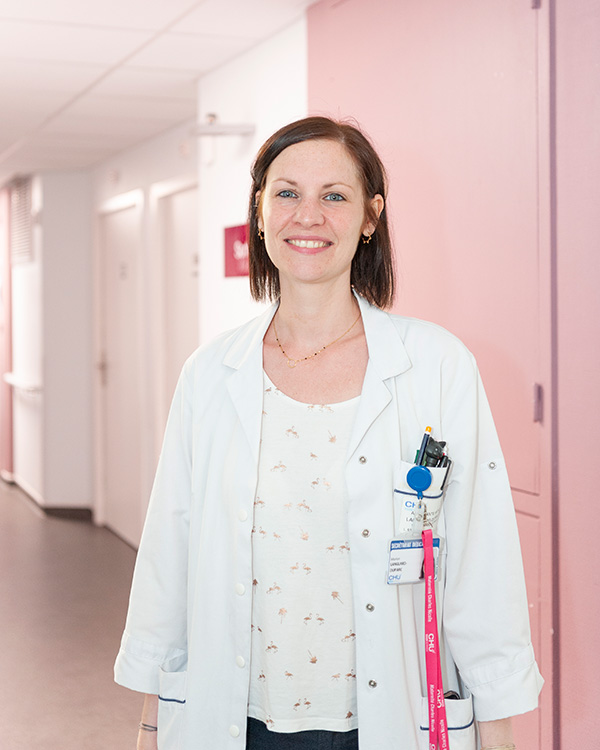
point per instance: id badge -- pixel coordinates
(406, 560)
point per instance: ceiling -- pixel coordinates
(83, 79)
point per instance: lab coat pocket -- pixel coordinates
(171, 704)
(461, 724)
(408, 512)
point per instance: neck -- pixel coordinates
(309, 316)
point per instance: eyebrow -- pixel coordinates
(326, 186)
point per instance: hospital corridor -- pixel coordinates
(64, 586)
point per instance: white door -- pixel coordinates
(179, 219)
(121, 401)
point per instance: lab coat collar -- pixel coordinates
(387, 352)
(387, 358)
(247, 340)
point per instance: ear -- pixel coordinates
(258, 206)
(377, 203)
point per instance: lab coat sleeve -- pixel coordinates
(486, 615)
(155, 636)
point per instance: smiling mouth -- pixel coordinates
(309, 244)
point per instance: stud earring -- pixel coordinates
(261, 236)
(366, 238)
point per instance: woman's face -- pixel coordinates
(312, 213)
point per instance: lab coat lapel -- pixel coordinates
(387, 358)
(245, 384)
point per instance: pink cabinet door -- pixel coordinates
(450, 94)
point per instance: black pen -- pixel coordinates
(421, 451)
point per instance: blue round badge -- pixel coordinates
(419, 479)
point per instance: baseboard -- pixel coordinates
(73, 514)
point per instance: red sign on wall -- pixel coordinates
(236, 251)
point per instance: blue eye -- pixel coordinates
(334, 197)
(286, 194)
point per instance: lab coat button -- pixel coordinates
(366, 533)
(370, 607)
(240, 589)
(243, 515)
(240, 661)
(492, 465)
(363, 459)
(372, 684)
(234, 731)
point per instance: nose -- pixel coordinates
(309, 212)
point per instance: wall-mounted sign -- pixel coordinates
(236, 251)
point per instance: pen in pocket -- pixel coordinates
(421, 452)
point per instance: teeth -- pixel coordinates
(310, 244)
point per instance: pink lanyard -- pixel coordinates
(438, 726)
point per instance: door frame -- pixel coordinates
(159, 193)
(133, 199)
(6, 394)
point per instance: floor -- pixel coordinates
(63, 597)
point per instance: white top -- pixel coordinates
(303, 665)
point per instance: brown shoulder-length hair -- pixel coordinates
(372, 272)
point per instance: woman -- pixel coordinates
(260, 613)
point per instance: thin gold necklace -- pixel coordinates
(291, 362)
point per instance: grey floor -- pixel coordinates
(63, 597)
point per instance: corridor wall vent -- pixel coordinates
(21, 220)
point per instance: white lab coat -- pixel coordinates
(187, 636)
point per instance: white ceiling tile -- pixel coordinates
(190, 52)
(28, 76)
(129, 14)
(61, 43)
(26, 112)
(133, 108)
(81, 142)
(112, 123)
(7, 138)
(131, 81)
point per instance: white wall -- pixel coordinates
(267, 86)
(162, 158)
(153, 168)
(27, 358)
(52, 327)
(67, 336)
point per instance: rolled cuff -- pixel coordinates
(505, 688)
(138, 664)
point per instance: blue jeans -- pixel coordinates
(260, 738)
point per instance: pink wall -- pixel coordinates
(372, 60)
(6, 457)
(578, 364)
